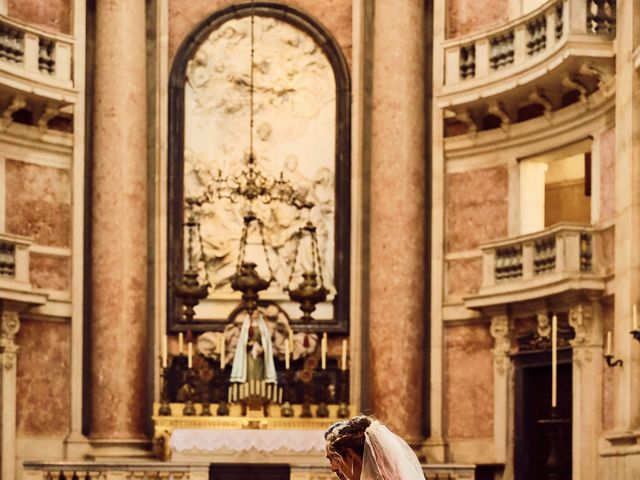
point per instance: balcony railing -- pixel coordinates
(526, 41)
(28, 52)
(113, 471)
(14, 258)
(529, 264)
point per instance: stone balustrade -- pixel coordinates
(196, 471)
(31, 54)
(530, 266)
(114, 471)
(532, 39)
(14, 258)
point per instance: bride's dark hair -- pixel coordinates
(348, 434)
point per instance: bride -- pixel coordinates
(363, 449)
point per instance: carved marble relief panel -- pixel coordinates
(294, 134)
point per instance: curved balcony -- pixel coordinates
(15, 286)
(564, 44)
(35, 62)
(555, 261)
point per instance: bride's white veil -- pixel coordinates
(387, 456)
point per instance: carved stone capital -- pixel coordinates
(502, 342)
(8, 347)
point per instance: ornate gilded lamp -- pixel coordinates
(188, 288)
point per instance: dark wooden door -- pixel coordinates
(228, 471)
(533, 405)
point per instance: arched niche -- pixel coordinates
(200, 60)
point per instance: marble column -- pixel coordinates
(119, 230)
(502, 377)
(627, 214)
(397, 217)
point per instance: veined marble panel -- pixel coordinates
(294, 132)
(52, 14)
(470, 16)
(44, 376)
(469, 381)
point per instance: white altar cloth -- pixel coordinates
(242, 440)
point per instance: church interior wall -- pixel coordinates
(55, 15)
(469, 387)
(468, 16)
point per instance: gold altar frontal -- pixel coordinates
(164, 425)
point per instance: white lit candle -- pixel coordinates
(291, 338)
(286, 354)
(268, 395)
(635, 317)
(280, 395)
(275, 393)
(554, 361)
(222, 352)
(190, 354)
(180, 343)
(235, 392)
(230, 394)
(263, 388)
(323, 349)
(608, 343)
(163, 351)
(343, 361)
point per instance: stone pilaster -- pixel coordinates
(397, 225)
(586, 320)
(10, 324)
(119, 230)
(501, 385)
(627, 214)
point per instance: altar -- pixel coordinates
(292, 446)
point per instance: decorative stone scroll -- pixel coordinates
(9, 349)
(502, 343)
(294, 133)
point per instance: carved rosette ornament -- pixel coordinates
(8, 347)
(502, 343)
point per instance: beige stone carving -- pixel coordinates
(502, 343)
(10, 327)
(293, 134)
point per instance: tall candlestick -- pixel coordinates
(554, 361)
(635, 317)
(180, 343)
(222, 352)
(323, 351)
(343, 361)
(190, 354)
(286, 354)
(163, 351)
(608, 343)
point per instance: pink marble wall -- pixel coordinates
(464, 276)
(471, 16)
(607, 174)
(476, 207)
(43, 378)
(334, 15)
(47, 271)
(38, 203)
(469, 381)
(608, 375)
(51, 14)
(608, 249)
